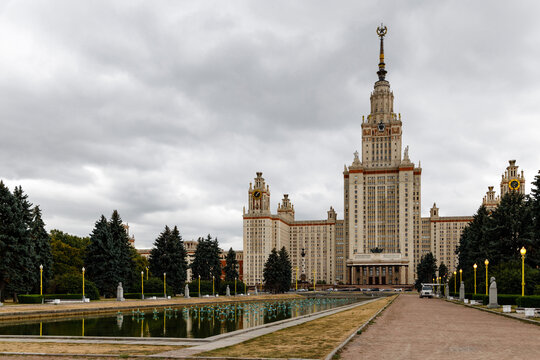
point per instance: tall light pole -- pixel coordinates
(475, 266)
(142, 285)
(41, 279)
(199, 285)
(455, 276)
(165, 284)
(296, 281)
(460, 276)
(235, 285)
(486, 263)
(83, 270)
(213, 277)
(147, 273)
(523, 251)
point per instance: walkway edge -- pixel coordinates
(510, 316)
(346, 341)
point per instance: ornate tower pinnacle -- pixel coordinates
(381, 31)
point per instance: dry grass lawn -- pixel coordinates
(313, 339)
(102, 349)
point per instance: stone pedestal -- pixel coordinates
(447, 291)
(186, 292)
(462, 291)
(493, 294)
(120, 292)
(228, 291)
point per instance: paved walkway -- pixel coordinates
(414, 328)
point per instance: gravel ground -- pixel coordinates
(414, 328)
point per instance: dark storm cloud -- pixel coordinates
(166, 110)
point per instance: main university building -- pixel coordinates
(382, 236)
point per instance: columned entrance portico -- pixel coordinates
(378, 269)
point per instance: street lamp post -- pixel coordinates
(475, 266)
(165, 284)
(199, 285)
(83, 270)
(41, 279)
(213, 277)
(455, 276)
(235, 285)
(296, 281)
(523, 251)
(142, 285)
(460, 275)
(486, 263)
(147, 273)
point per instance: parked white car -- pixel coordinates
(427, 291)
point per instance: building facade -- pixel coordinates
(382, 236)
(264, 231)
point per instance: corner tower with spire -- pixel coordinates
(381, 195)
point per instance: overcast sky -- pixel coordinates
(164, 110)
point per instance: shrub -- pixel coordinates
(206, 287)
(153, 285)
(146, 295)
(30, 299)
(532, 301)
(537, 290)
(71, 283)
(38, 299)
(223, 287)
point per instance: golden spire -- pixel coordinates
(381, 31)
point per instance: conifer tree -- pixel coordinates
(27, 263)
(231, 265)
(169, 256)
(285, 270)
(533, 201)
(42, 244)
(122, 247)
(206, 262)
(425, 270)
(12, 229)
(108, 258)
(271, 272)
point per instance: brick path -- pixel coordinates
(414, 328)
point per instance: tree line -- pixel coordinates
(106, 255)
(497, 236)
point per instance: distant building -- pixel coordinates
(382, 236)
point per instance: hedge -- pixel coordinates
(532, 301)
(146, 295)
(30, 299)
(38, 299)
(502, 299)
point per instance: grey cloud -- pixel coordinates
(165, 111)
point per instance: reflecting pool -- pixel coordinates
(197, 321)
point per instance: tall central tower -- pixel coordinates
(381, 195)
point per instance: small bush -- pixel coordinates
(532, 301)
(71, 283)
(30, 299)
(206, 287)
(153, 285)
(537, 290)
(38, 299)
(146, 295)
(223, 287)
